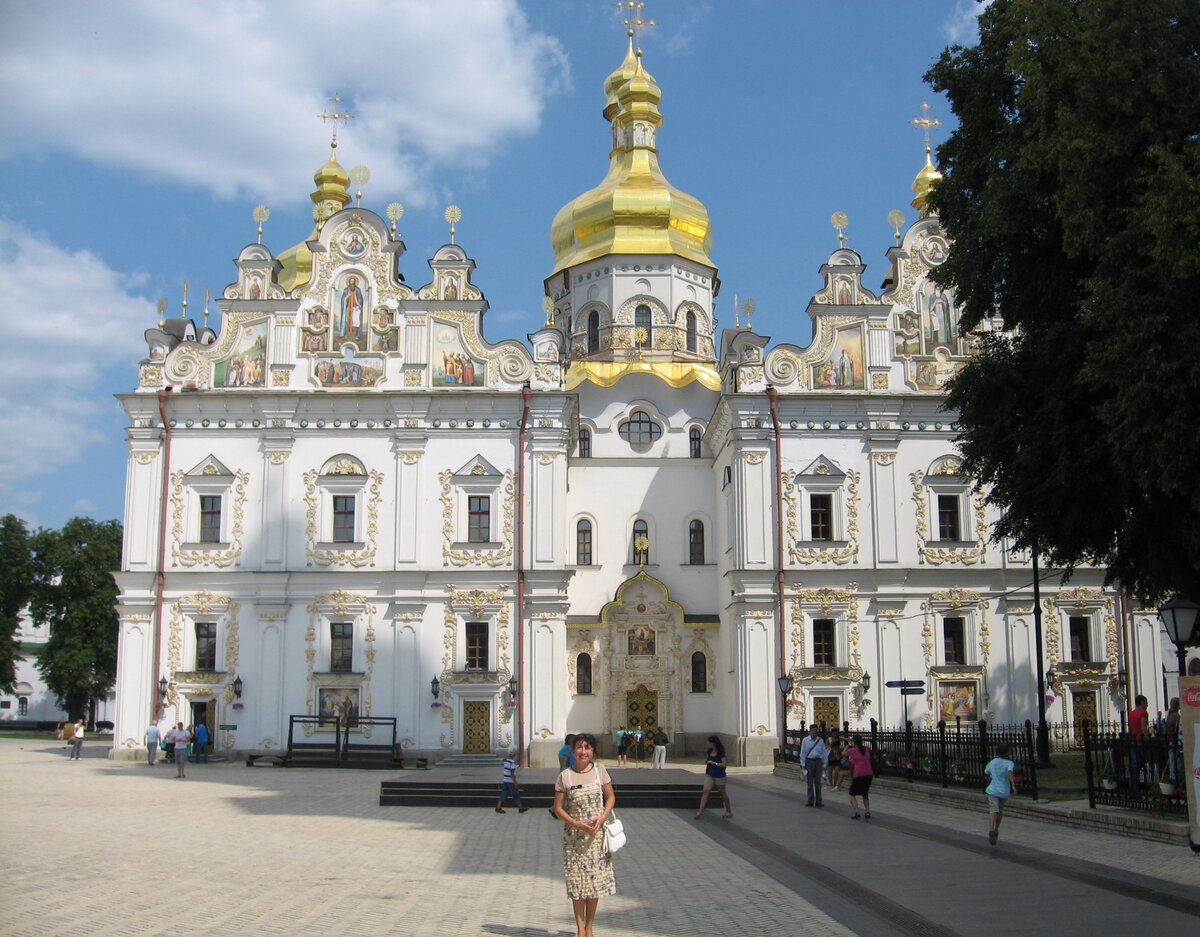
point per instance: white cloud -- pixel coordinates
(66, 319)
(225, 95)
(962, 28)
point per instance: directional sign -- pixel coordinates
(228, 728)
(911, 691)
(905, 683)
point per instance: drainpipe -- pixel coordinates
(773, 398)
(520, 642)
(162, 552)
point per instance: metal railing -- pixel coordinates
(1136, 773)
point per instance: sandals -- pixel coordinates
(854, 817)
(727, 816)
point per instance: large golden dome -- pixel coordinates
(634, 210)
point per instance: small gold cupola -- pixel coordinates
(929, 176)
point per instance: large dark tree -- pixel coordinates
(16, 587)
(76, 596)
(1071, 190)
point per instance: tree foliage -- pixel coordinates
(16, 588)
(1071, 191)
(76, 596)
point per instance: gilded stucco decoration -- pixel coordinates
(808, 604)
(473, 605)
(789, 366)
(202, 605)
(150, 376)
(699, 644)
(927, 549)
(235, 360)
(321, 612)
(453, 555)
(205, 555)
(808, 553)
(939, 603)
(319, 553)
(1083, 600)
(585, 643)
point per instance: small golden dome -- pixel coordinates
(926, 179)
(635, 210)
(333, 189)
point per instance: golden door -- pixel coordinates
(1083, 705)
(827, 711)
(476, 737)
(641, 708)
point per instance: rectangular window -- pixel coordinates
(341, 646)
(210, 518)
(696, 543)
(954, 640)
(22, 705)
(820, 514)
(585, 444)
(948, 523)
(343, 518)
(1081, 637)
(823, 634)
(206, 645)
(479, 519)
(583, 543)
(477, 645)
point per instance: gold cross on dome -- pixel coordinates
(634, 26)
(926, 122)
(337, 115)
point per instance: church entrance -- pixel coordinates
(476, 737)
(203, 712)
(1084, 705)
(827, 712)
(641, 708)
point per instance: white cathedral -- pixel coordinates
(351, 503)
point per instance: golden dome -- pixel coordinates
(926, 179)
(333, 192)
(634, 210)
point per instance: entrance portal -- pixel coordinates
(641, 707)
(203, 712)
(1083, 702)
(476, 737)
(827, 712)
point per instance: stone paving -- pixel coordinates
(118, 848)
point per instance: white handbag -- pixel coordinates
(614, 833)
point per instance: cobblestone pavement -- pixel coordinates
(118, 848)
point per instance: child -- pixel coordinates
(509, 786)
(1001, 784)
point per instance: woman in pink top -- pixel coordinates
(860, 763)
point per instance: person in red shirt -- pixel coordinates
(1139, 721)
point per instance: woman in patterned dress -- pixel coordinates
(583, 799)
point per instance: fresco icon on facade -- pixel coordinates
(350, 310)
(350, 370)
(452, 366)
(246, 364)
(352, 242)
(843, 369)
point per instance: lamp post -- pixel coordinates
(785, 684)
(1179, 619)
(1043, 730)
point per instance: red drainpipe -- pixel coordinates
(520, 643)
(773, 397)
(162, 551)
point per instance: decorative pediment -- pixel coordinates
(823, 467)
(477, 468)
(209, 467)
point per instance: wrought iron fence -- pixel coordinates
(951, 754)
(1137, 773)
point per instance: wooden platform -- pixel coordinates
(460, 786)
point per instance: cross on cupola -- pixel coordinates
(926, 122)
(634, 22)
(338, 114)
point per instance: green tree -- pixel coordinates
(1071, 190)
(76, 596)
(16, 588)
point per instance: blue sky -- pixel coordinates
(140, 136)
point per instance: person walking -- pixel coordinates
(1001, 783)
(583, 800)
(77, 740)
(814, 753)
(660, 748)
(714, 776)
(179, 738)
(861, 774)
(201, 746)
(509, 788)
(153, 740)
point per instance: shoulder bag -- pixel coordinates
(614, 834)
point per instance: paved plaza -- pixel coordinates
(99, 847)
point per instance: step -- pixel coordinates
(430, 793)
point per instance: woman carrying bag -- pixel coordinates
(583, 800)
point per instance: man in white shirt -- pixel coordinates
(153, 739)
(814, 753)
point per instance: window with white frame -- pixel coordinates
(820, 515)
(954, 639)
(210, 518)
(477, 504)
(477, 634)
(583, 543)
(202, 498)
(949, 517)
(1079, 632)
(341, 646)
(341, 492)
(821, 502)
(824, 642)
(206, 645)
(479, 519)
(696, 543)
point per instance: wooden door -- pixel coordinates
(1083, 705)
(477, 736)
(641, 707)
(827, 710)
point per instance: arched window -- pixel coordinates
(585, 443)
(692, 343)
(639, 431)
(593, 331)
(694, 442)
(640, 530)
(583, 543)
(696, 543)
(643, 320)
(583, 674)
(699, 673)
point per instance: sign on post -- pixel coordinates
(905, 683)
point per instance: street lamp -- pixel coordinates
(785, 684)
(237, 687)
(163, 686)
(435, 687)
(1179, 619)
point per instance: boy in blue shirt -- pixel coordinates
(999, 772)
